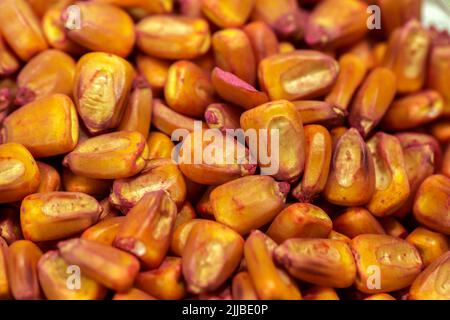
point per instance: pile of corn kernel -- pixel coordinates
(93, 207)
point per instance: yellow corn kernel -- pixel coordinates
(320, 113)
(19, 173)
(102, 85)
(431, 245)
(320, 293)
(334, 235)
(57, 215)
(9, 64)
(181, 234)
(243, 288)
(4, 281)
(104, 231)
(133, 294)
(10, 229)
(355, 221)
(159, 146)
(94, 187)
(228, 13)
(286, 47)
(155, 72)
(49, 178)
(393, 227)
(185, 214)
(119, 154)
(263, 39)
(380, 296)
(217, 244)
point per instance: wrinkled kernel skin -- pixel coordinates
(355, 221)
(212, 253)
(242, 287)
(281, 117)
(94, 187)
(188, 89)
(120, 154)
(159, 145)
(413, 111)
(320, 293)
(372, 100)
(23, 257)
(147, 229)
(297, 75)
(51, 126)
(300, 220)
(320, 113)
(172, 37)
(248, 203)
(263, 39)
(57, 215)
(52, 271)
(159, 174)
(391, 179)
(104, 231)
(351, 181)
(166, 282)
(318, 152)
(398, 261)
(233, 53)
(322, 262)
(227, 13)
(104, 28)
(49, 178)
(5, 293)
(431, 245)
(432, 283)
(431, 205)
(336, 23)
(22, 32)
(111, 267)
(19, 174)
(102, 85)
(270, 282)
(213, 170)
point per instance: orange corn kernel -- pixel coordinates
(431, 284)
(263, 40)
(380, 296)
(228, 13)
(190, 8)
(248, 203)
(4, 282)
(320, 113)
(336, 23)
(159, 145)
(351, 181)
(155, 71)
(355, 221)
(52, 126)
(108, 211)
(57, 215)
(407, 55)
(111, 267)
(270, 282)
(214, 169)
(223, 293)
(300, 220)
(180, 236)
(185, 214)
(23, 257)
(233, 53)
(156, 6)
(102, 86)
(446, 162)
(120, 154)
(159, 174)
(53, 274)
(19, 173)
(104, 231)
(95, 187)
(441, 130)
(204, 206)
(364, 50)
(172, 37)
(438, 73)
(188, 89)
(431, 245)
(138, 112)
(318, 149)
(372, 100)
(237, 91)
(166, 282)
(223, 116)
(22, 31)
(320, 293)
(379, 52)
(206, 62)
(297, 75)
(422, 155)
(39, 7)
(49, 72)
(9, 64)
(278, 117)
(391, 178)
(393, 227)
(352, 70)
(167, 120)
(286, 47)
(133, 294)
(322, 262)
(431, 205)
(147, 229)
(214, 242)
(103, 27)
(243, 288)
(334, 235)
(398, 12)
(413, 111)
(49, 178)
(384, 263)
(10, 229)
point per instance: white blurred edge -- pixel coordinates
(436, 13)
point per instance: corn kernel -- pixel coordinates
(380, 296)
(228, 13)
(159, 146)
(320, 113)
(438, 73)
(355, 221)
(4, 282)
(180, 236)
(133, 294)
(320, 293)
(263, 39)
(393, 227)
(49, 178)
(431, 245)
(8, 62)
(155, 71)
(104, 231)
(243, 288)
(10, 229)
(94, 187)
(223, 116)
